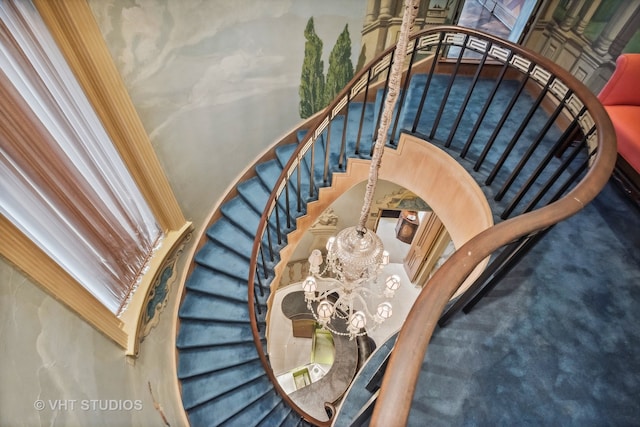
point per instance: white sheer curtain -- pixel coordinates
(62, 182)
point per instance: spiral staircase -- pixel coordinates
(533, 138)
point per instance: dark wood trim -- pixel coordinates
(627, 180)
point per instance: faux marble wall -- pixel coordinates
(57, 370)
(215, 83)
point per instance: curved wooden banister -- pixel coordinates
(398, 386)
(399, 383)
(295, 158)
(405, 363)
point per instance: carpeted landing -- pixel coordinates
(557, 343)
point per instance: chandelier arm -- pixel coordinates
(360, 289)
(336, 310)
(323, 280)
(395, 77)
(323, 294)
(364, 306)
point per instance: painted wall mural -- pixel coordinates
(216, 82)
(586, 37)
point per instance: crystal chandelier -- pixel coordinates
(355, 257)
(348, 281)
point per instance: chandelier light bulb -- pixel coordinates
(384, 311)
(357, 321)
(309, 286)
(325, 311)
(330, 243)
(315, 260)
(391, 284)
(385, 258)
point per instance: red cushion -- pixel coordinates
(623, 87)
(626, 121)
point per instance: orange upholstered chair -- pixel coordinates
(621, 98)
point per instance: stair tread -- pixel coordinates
(219, 258)
(254, 193)
(200, 333)
(260, 196)
(268, 172)
(211, 307)
(210, 359)
(277, 416)
(284, 152)
(215, 411)
(256, 411)
(240, 213)
(294, 419)
(215, 283)
(227, 234)
(200, 389)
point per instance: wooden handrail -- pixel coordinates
(261, 230)
(396, 394)
(399, 383)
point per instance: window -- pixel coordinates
(73, 28)
(62, 182)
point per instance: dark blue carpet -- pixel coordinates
(557, 343)
(553, 344)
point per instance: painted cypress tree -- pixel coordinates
(340, 66)
(311, 89)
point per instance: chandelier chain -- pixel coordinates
(395, 77)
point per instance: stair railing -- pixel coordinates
(534, 187)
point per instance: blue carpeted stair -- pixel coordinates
(223, 382)
(213, 316)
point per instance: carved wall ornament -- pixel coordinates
(326, 218)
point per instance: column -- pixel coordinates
(572, 15)
(614, 27)
(629, 30)
(372, 11)
(386, 9)
(586, 17)
(550, 7)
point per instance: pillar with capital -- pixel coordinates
(614, 27)
(548, 10)
(572, 15)
(386, 9)
(373, 8)
(586, 16)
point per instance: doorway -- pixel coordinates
(396, 228)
